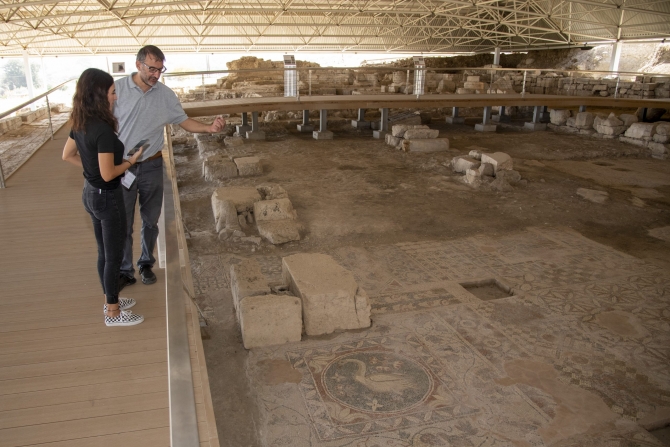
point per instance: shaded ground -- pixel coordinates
(358, 199)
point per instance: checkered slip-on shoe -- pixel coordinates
(125, 318)
(124, 304)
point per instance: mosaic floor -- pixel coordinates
(579, 356)
(18, 145)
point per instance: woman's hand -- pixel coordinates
(136, 156)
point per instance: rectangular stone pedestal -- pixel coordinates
(306, 128)
(481, 127)
(256, 135)
(381, 134)
(535, 126)
(322, 135)
(242, 130)
(452, 120)
(360, 124)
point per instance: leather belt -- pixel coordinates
(153, 157)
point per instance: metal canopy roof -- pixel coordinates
(53, 27)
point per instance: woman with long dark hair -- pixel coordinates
(94, 145)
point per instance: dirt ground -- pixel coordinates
(356, 191)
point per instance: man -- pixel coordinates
(143, 108)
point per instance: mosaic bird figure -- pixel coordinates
(380, 383)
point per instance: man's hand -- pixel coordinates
(218, 125)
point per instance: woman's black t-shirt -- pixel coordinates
(98, 137)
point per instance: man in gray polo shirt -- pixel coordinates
(143, 108)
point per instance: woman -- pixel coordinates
(100, 153)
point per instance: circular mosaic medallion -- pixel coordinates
(377, 382)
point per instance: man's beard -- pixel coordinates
(150, 80)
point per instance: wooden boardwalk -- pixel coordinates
(65, 378)
(398, 101)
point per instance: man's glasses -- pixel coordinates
(155, 70)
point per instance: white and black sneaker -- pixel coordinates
(124, 304)
(125, 318)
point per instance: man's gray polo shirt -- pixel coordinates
(144, 115)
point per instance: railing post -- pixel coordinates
(407, 82)
(2, 177)
(616, 89)
(51, 127)
(310, 82)
(523, 89)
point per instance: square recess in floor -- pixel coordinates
(488, 289)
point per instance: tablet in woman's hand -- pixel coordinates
(138, 146)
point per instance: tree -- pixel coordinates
(14, 76)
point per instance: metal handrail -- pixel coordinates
(389, 68)
(32, 100)
(183, 419)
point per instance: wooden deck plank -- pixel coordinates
(63, 373)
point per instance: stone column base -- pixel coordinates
(242, 130)
(325, 135)
(381, 134)
(481, 127)
(535, 126)
(457, 120)
(307, 128)
(255, 135)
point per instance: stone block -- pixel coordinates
(279, 231)
(380, 134)
(584, 120)
(510, 176)
(481, 127)
(242, 197)
(207, 149)
(593, 195)
(272, 192)
(663, 129)
(305, 128)
(398, 130)
(475, 153)
(433, 145)
(225, 215)
(322, 135)
(331, 298)
(474, 85)
(634, 141)
(641, 130)
(659, 150)
(487, 169)
(255, 135)
(500, 161)
(246, 279)
(628, 119)
(393, 141)
(559, 116)
(233, 141)
(473, 177)
(218, 167)
(267, 320)
(418, 134)
(360, 124)
(248, 166)
(242, 130)
(535, 126)
(276, 209)
(462, 163)
(658, 138)
(571, 122)
(472, 79)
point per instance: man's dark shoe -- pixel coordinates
(147, 275)
(126, 281)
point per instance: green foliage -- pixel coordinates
(14, 77)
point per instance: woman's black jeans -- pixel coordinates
(108, 214)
